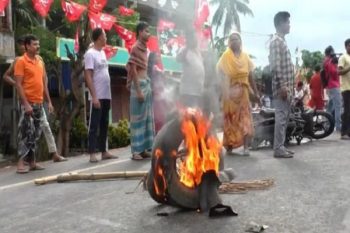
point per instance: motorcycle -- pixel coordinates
(303, 123)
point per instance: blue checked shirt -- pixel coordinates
(281, 65)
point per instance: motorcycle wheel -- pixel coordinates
(323, 125)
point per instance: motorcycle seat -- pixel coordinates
(267, 113)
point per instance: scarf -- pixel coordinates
(138, 57)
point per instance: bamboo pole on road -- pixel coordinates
(89, 176)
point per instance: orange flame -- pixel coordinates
(203, 150)
(159, 178)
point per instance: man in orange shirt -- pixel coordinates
(31, 85)
(50, 140)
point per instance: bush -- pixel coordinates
(119, 134)
(78, 134)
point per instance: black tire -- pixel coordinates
(322, 125)
(168, 140)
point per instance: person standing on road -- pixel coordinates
(160, 105)
(50, 140)
(282, 82)
(236, 71)
(193, 75)
(316, 90)
(99, 83)
(344, 71)
(141, 110)
(31, 85)
(333, 86)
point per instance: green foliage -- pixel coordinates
(311, 59)
(119, 135)
(220, 45)
(227, 14)
(47, 44)
(78, 134)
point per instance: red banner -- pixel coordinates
(97, 5)
(202, 13)
(124, 11)
(101, 20)
(110, 51)
(163, 24)
(42, 6)
(72, 10)
(3, 4)
(153, 45)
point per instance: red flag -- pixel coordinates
(72, 10)
(101, 20)
(42, 6)
(124, 11)
(110, 51)
(202, 13)
(76, 41)
(97, 5)
(163, 24)
(124, 33)
(3, 4)
(128, 36)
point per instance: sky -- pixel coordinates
(313, 26)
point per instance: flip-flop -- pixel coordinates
(36, 168)
(136, 157)
(22, 171)
(93, 161)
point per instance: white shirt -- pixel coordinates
(96, 61)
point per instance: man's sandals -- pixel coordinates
(31, 168)
(104, 157)
(141, 156)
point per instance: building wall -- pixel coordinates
(120, 98)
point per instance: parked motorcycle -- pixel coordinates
(303, 123)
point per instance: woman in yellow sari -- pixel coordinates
(236, 70)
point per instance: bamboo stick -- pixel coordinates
(45, 180)
(100, 176)
(89, 176)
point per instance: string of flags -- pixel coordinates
(169, 40)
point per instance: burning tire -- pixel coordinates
(163, 183)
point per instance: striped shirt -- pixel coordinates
(281, 65)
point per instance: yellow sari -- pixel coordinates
(235, 101)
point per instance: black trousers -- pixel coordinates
(345, 126)
(99, 120)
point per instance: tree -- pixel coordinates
(310, 61)
(228, 11)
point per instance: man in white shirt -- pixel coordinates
(98, 81)
(192, 81)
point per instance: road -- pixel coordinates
(311, 194)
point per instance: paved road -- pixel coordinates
(311, 194)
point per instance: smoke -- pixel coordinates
(182, 14)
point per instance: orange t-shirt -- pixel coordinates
(32, 72)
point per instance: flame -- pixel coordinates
(203, 150)
(160, 184)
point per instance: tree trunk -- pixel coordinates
(73, 102)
